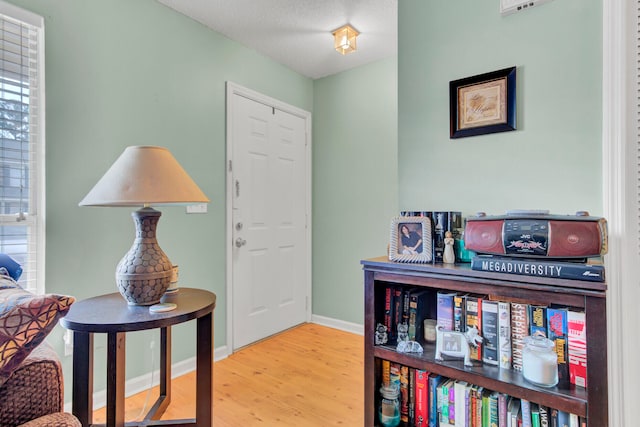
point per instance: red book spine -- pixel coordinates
(576, 326)
(387, 309)
(422, 400)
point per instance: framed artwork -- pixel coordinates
(410, 239)
(483, 104)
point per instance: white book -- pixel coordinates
(504, 334)
(573, 420)
(513, 409)
(460, 390)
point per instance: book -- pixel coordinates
(434, 382)
(444, 306)
(412, 397)
(493, 410)
(473, 404)
(490, 332)
(504, 334)
(421, 416)
(574, 420)
(513, 411)
(535, 415)
(388, 311)
(538, 320)
(460, 313)
(525, 406)
(394, 374)
(474, 319)
(467, 404)
(452, 402)
(419, 309)
(479, 406)
(460, 394)
(557, 332)
(398, 305)
(553, 417)
(386, 372)
(502, 409)
(562, 419)
(404, 394)
(541, 268)
(519, 330)
(442, 400)
(544, 416)
(486, 407)
(577, 345)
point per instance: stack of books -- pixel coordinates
(591, 269)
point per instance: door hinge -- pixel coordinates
(230, 166)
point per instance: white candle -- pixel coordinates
(540, 361)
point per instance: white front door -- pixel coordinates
(269, 246)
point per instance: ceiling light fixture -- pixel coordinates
(345, 39)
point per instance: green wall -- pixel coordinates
(553, 160)
(121, 73)
(354, 182)
(125, 72)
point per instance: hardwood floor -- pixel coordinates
(309, 376)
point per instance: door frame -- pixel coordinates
(235, 89)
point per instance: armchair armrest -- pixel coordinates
(34, 390)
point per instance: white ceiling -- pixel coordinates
(297, 33)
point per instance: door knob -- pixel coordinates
(240, 242)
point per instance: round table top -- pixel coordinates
(112, 313)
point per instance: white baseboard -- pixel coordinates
(354, 328)
(146, 381)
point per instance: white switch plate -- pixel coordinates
(201, 208)
(508, 7)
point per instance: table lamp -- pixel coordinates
(144, 176)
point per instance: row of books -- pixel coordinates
(502, 324)
(431, 400)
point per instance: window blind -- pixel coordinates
(21, 142)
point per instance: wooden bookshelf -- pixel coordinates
(588, 296)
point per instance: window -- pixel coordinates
(22, 142)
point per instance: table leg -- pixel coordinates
(82, 387)
(204, 371)
(164, 398)
(115, 378)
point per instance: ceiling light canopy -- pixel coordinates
(345, 39)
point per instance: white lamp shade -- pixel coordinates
(145, 176)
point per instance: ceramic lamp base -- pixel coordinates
(144, 273)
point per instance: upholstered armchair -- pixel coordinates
(31, 384)
(33, 396)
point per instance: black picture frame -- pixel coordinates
(483, 104)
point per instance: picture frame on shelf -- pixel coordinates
(483, 104)
(410, 240)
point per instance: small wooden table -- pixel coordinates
(112, 315)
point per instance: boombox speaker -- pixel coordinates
(537, 234)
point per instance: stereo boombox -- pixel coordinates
(537, 234)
